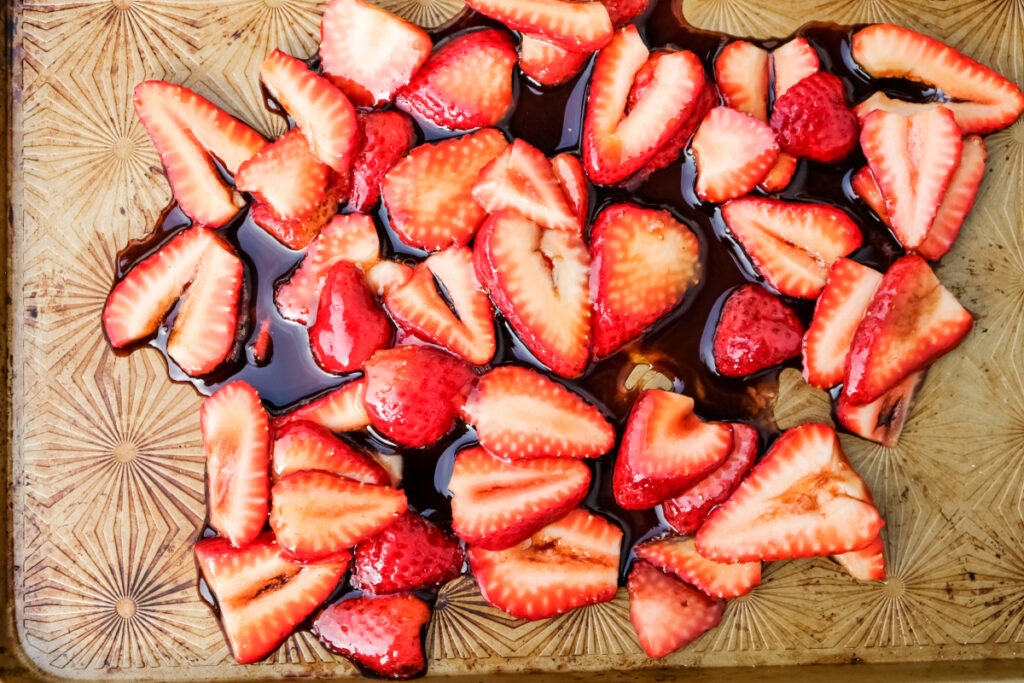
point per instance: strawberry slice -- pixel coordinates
(548, 63)
(864, 186)
(622, 12)
(971, 117)
(840, 308)
(665, 612)
(678, 555)
(316, 515)
(409, 554)
(466, 83)
(987, 101)
(665, 449)
(644, 263)
(350, 325)
(301, 445)
(382, 634)
(755, 331)
(287, 176)
(569, 172)
(792, 62)
(568, 564)
(262, 596)
(866, 564)
(369, 52)
(297, 233)
(465, 325)
(778, 177)
(582, 26)
(189, 132)
(734, 152)
(913, 160)
(803, 499)
(792, 245)
(386, 137)
(617, 143)
(388, 275)
(497, 504)
(958, 200)
(538, 279)
(686, 511)
(671, 150)
(741, 71)
(429, 193)
(519, 413)
(911, 322)
(882, 420)
(522, 179)
(341, 410)
(235, 437)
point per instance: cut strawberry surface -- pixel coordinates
(350, 325)
(665, 449)
(385, 137)
(538, 279)
(792, 62)
(792, 245)
(286, 175)
(429, 193)
(569, 172)
(188, 132)
(497, 504)
(678, 555)
(301, 445)
(666, 613)
(547, 62)
(341, 410)
(409, 554)
(388, 275)
(958, 200)
(866, 564)
(864, 186)
(644, 263)
(882, 420)
(671, 150)
(778, 177)
(734, 151)
(803, 499)
(622, 12)
(262, 596)
(741, 71)
(519, 413)
(811, 119)
(297, 233)
(755, 331)
(568, 564)
(573, 25)
(971, 117)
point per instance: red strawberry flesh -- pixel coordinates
(666, 613)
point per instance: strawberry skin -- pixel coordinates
(741, 70)
(386, 136)
(811, 119)
(866, 564)
(569, 172)
(301, 445)
(792, 62)
(579, 26)
(882, 420)
(622, 12)
(678, 555)
(755, 331)
(548, 63)
(497, 503)
(409, 554)
(665, 612)
(341, 410)
(350, 326)
(734, 151)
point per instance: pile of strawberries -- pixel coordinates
(502, 226)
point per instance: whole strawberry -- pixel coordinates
(811, 119)
(411, 553)
(755, 331)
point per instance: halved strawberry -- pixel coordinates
(296, 233)
(569, 172)
(792, 245)
(734, 151)
(522, 179)
(385, 138)
(778, 177)
(497, 504)
(666, 613)
(547, 62)
(755, 331)
(913, 160)
(844, 300)
(644, 262)
(971, 117)
(429, 193)
(409, 554)
(803, 499)
(671, 150)
(369, 52)
(987, 101)
(316, 515)
(622, 12)
(792, 62)
(519, 413)
(466, 83)
(678, 555)
(958, 200)
(573, 25)
(350, 325)
(262, 596)
(461, 320)
(911, 322)
(882, 420)
(617, 143)
(568, 564)
(687, 510)
(189, 132)
(341, 410)
(301, 445)
(538, 279)
(665, 449)
(741, 70)
(866, 564)
(811, 119)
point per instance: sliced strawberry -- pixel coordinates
(350, 325)
(262, 596)
(686, 511)
(568, 564)
(547, 62)
(522, 179)
(316, 515)
(678, 555)
(297, 233)
(734, 151)
(665, 612)
(519, 413)
(864, 186)
(461, 321)
(988, 101)
(792, 245)
(189, 132)
(777, 179)
(913, 160)
(866, 564)
(882, 420)
(429, 193)
(840, 308)
(811, 119)
(409, 554)
(580, 26)
(386, 137)
(622, 12)
(958, 200)
(538, 279)
(912, 321)
(466, 83)
(617, 143)
(644, 262)
(671, 150)
(755, 331)
(380, 633)
(497, 504)
(388, 275)
(341, 410)
(665, 449)
(569, 172)
(971, 117)
(741, 71)
(792, 62)
(301, 445)
(803, 499)
(262, 346)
